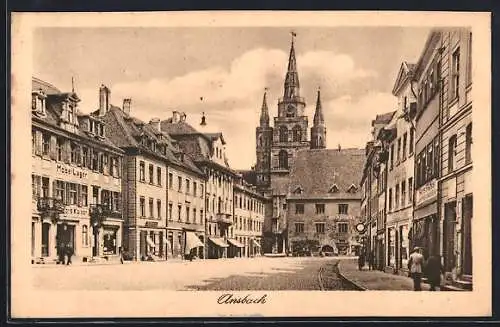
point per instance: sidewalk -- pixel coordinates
(375, 279)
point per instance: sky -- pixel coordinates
(223, 71)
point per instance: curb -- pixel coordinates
(345, 279)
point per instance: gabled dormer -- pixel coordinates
(352, 189)
(38, 102)
(93, 126)
(298, 190)
(333, 189)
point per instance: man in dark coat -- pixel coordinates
(69, 253)
(361, 260)
(433, 271)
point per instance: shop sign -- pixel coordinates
(426, 192)
(151, 224)
(75, 211)
(70, 171)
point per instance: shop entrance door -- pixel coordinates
(45, 239)
(467, 235)
(66, 236)
(449, 235)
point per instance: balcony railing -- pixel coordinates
(225, 218)
(47, 204)
(104, 210)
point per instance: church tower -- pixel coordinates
(290, 127)
(264, 137)
(318, 131)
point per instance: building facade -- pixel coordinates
(207, 151)
(76, 179)
(400, 175)
(323, 203)
(249, 209)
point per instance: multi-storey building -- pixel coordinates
(150, 163)
(207, 150)
(455, 187)
(249, 206)
(401, 171)
(323, 203)
(76, 178)
(276, 148)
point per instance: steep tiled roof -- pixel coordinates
(47, 88)
(178, 128)
(248, 176)
(384, 118)
(317, 171)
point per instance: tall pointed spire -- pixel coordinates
(292, 87)
(319, 119)
(264, 112)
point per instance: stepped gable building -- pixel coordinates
(323, 200)
(76, 179)
(207, 151)
(163, 198)
(276, 148)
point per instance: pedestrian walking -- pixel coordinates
(371, 263)
(61, 254)
(415, 264)
(121, 254)
(433, 271)
(361, 260)
(69, 253)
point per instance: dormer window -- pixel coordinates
(298, 190)
(352, 189)
(38, 101)
(333, 189)
(91, 126)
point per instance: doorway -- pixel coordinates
(65, 236)
(45, 239)
(450, 214)
(467, 235)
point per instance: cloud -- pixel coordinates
(231, 95)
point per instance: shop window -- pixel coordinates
(299, 227)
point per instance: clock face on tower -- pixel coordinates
(290, 110)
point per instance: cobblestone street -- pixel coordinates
(230, 274)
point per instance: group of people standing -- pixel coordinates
(418, 266)
(64, 252)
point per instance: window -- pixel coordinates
(85, 235)
(142, 173)
(158, 175)
(283, 159)
(410, 190)
(59, 149)
(188, 187)
(396, 197)
(201, 217)
(283, 134)
(410, 145)
(195, 189)
(297, 134)
(35, 186)
(95, 161)
(151, 207)
(170, 211)
(405, 139)
(45, 188)
(469, 61)
(179, 183)
(452, 144)
(299, 208)
(59, 191)
(455, 70)
(403, 193)
(468, 144)
(390, 199)
(114, 167)
(320, 228)
(179, 209)
(343, 209)
(194, 215)
(101, 163)
(72, 198)
(45, 144)
(142, 205)
(151, 174)
(158, 208)
(320, 208)
(392, 156)
(201, 190)
(299, 227)
(343, 227)
(187, 214)
(399, 150)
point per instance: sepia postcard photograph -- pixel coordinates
(251, 164)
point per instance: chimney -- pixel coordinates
(155, 122)
(127, 103)
(104, 95)
(176, 117)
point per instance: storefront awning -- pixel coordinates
(256, 243)
(192, 241)
(219, 242)
(235, 243)
(150, 242)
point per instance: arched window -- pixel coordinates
(283, 159)
(85, 235)
(283, 134)
(297, 134)
(260, 140)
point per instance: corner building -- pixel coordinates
(76, 179)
